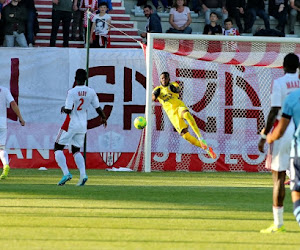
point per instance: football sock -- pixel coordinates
(79, 160)
(278, 216)
(288, 173)
(4, 157)
(297, 211)
(61, 161)
(191, 121)
(191, 139)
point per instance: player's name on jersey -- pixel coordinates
(82, 93)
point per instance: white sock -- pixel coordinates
(288, 173)
(79, 160)
(4, 157)
(61, 161)
(278, 216)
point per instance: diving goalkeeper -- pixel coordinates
(168, 96)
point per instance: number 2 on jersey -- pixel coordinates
(81, 103)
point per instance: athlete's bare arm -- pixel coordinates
(102, 115)
(16, 109)
(279, 130)
(270, 122)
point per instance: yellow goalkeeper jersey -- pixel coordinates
(168, 99)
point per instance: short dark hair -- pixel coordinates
(215, 13)
(148, 6)
(80, 76)
(102, 4)
(166, 74)
(228, 20)
(291, 62)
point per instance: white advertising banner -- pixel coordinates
(39, 79)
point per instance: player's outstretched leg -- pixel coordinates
(79, 160)
(191, 139)
(191, 121)
(4, 160)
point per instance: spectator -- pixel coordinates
(1, 24)
(228, 29)
(84, 6)
(62, 11)
(31, 17)
(236, 9)
(153, 22)
(256, 8)
(279, 9)
(295, 9)
(213, 28)
(180, 18)
(100, 27)
(217, 6)
(109, 4)
(77, 24)
(165, 4)
(14, 17)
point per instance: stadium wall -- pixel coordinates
(39, 79)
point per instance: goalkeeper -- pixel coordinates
(168, 96)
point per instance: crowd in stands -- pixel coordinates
(19, 23)
(243, 12)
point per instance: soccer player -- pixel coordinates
(74, 128)
(278, 153)
(168, 96)
(6, 100)
(291, 109)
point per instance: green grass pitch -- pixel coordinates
(160, 210)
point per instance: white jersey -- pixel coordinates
(78, 100)
(279, 153)
(5, 100)
(282, 87)
(101, 27)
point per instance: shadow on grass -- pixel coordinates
(204, 197)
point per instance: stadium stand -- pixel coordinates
(198, 20)
(127, 20)
(118, 39)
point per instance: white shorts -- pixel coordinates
(3, 137)
(70, 138)
(278, 157)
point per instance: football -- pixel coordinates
(140, 122)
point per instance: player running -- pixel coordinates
(279, 151)
(6, 100)
(74, 128)
(291, 109)
(168, 96)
